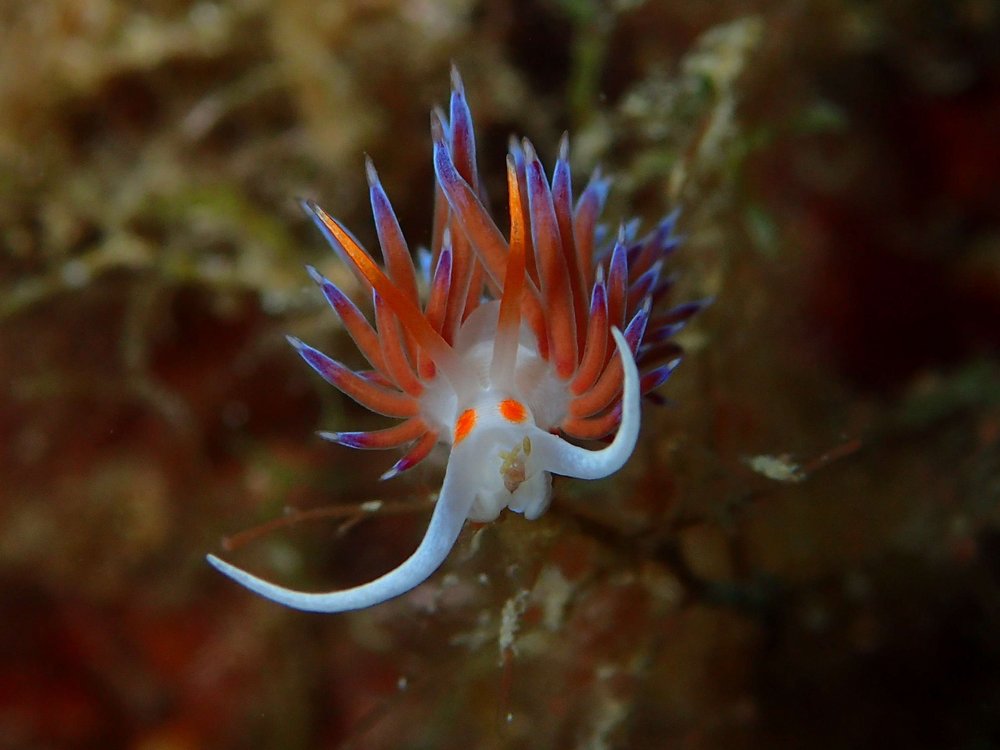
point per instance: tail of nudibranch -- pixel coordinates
(589, 312)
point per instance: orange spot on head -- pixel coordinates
(513, 411)
(466, 421)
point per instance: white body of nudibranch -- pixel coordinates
(501, 457)
(521, 340)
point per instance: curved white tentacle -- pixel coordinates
(449, 516)
(561, 457)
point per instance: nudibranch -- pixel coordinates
(520, 343)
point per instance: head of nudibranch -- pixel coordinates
(520, 341)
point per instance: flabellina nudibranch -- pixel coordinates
(520, 341)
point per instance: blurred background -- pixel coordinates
(805, 549)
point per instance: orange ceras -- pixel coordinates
(463, 426)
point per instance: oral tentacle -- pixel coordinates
(557, 456)
(446, 523)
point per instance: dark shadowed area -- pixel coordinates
(804, 550)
